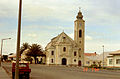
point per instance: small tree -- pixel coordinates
(34, 51)
(5, 57)
(94, 65)
(24, 47)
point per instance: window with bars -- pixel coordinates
(110, 61)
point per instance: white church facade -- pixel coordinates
(63, 50)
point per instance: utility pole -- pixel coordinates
(1, 49)
(18, 41)
(103, 55)
(1, 53)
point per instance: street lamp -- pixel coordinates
(103, 55)
(1, 48)
(18, 41)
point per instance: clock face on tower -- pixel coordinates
(80, 24)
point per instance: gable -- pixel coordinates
(61, 39)
(64, 38)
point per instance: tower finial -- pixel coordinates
(79, 16)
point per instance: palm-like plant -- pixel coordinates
(24, 47)
(34, 51)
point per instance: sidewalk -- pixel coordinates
(3, 74)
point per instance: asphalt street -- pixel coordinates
(62, 72)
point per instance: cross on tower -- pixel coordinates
(79, 9)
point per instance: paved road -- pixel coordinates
(63, 72)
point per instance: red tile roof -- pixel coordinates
(14, 56)
(90, 54)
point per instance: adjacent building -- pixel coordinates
(113, 59)
(89, 58)
(40, 59)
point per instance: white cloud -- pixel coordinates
(1, 24)
(63, 10)
(46, 27)
(32, 35)
(71, 35)
(88, 37)
(8, 8)
(39, 9)
(50, 11)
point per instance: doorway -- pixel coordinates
(64, 61)
(79, 63)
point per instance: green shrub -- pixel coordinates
(94, 65)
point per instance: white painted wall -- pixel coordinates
(115, 57)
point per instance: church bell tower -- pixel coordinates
(79, 31)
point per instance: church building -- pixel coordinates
(63, 50)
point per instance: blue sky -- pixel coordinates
(44, 19)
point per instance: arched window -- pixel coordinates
(75, 53)
(51, 60)
(64, 49)
(80, 33)
(52, 52)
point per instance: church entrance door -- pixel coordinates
(64, 61)
(79, 63)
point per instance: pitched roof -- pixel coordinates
(91, 56)
(13, 56)
(115, 52)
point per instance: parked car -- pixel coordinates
(24, 71)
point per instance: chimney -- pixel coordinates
(95, 53)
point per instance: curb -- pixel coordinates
(8, 73)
